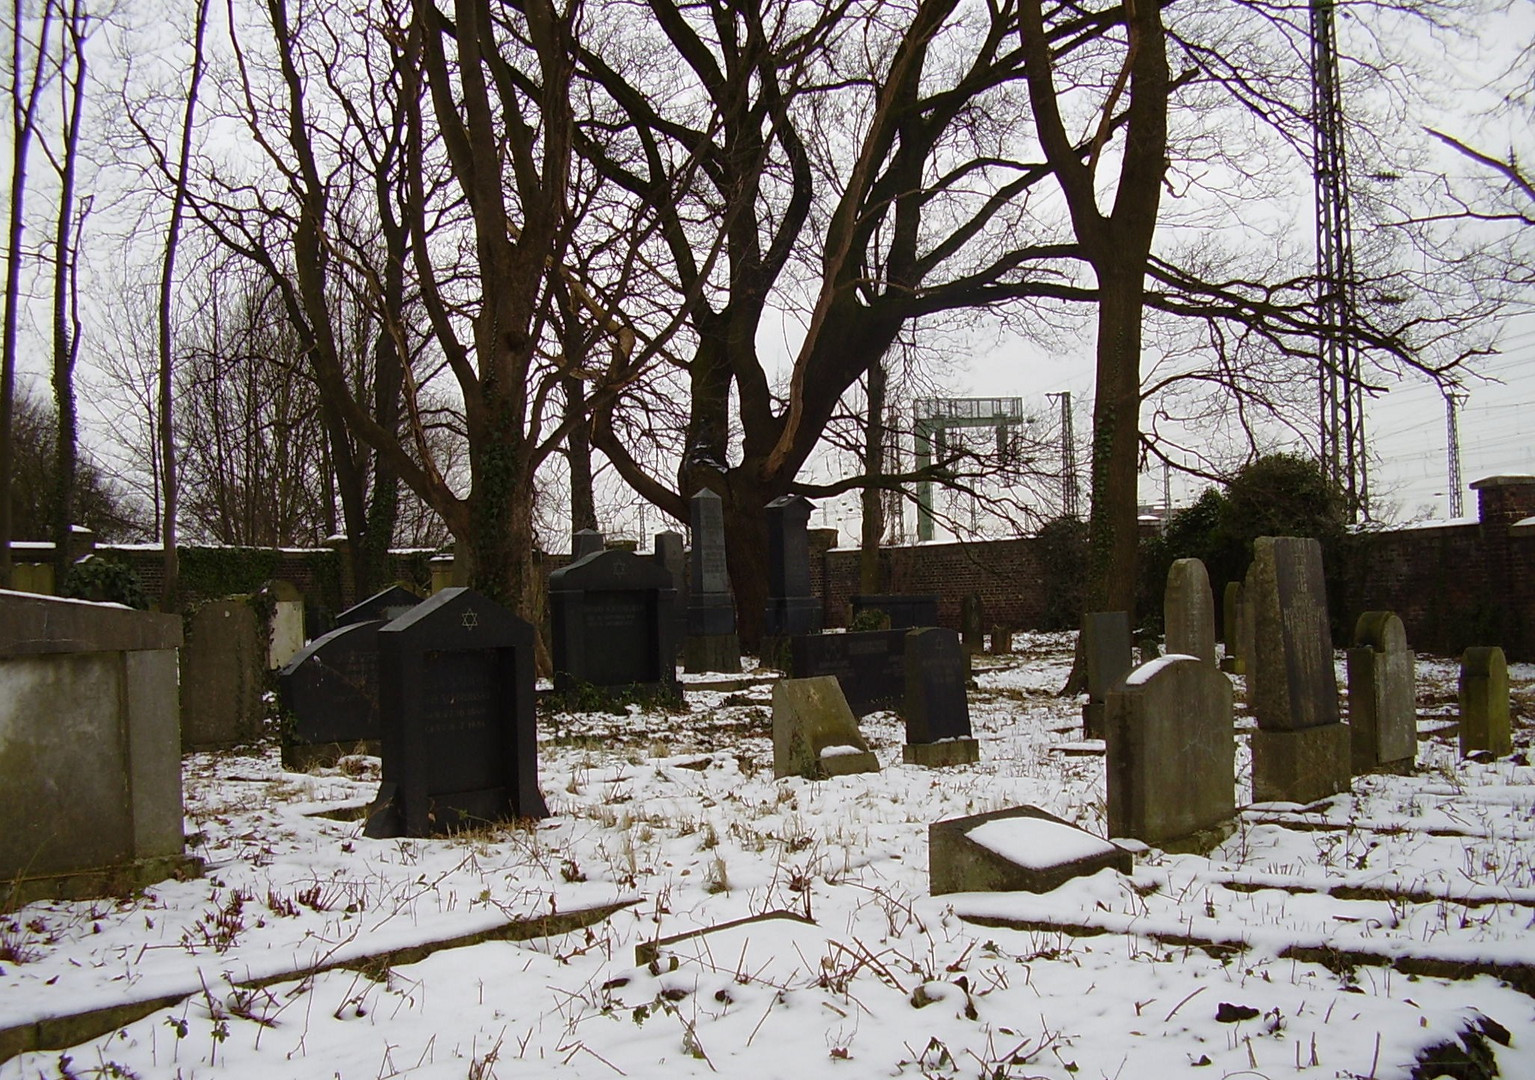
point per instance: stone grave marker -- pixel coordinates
(711, 643)
(1301, 749)
(1170, 762)
(585, 542)
(906, 611)
(1107, 657)
(870, 665)
(613, 626)
(972, 622)
(285, 628)
(1382, 703)
(459, 739)
(791, 608)
(223, 670)
(1484, 711)
(671, 553)
(1188, 611)
(1001, 640)
(815, 734)
(936, 707)
(381, 606)
(329, 693)
(90, 750)
(1233, 615)
(1021, 849)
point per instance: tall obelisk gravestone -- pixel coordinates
(711, 643)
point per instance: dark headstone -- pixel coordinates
(936, 708)
(1107, 659)
(585, 542)
(1233, 618)
(330, 693)
(1382, 701)
(710, 643)
(671, 553)
(791, 608)
(1022, 849)
(870, 666)
(613, 625)
(906, 612)
(1001, 640)
(456, 690)
(381, 606)
(972, 622)
(1170, 759)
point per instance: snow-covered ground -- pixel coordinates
(1193, 963)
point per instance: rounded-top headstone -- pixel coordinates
(1381, 631)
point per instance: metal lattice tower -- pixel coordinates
(1452, 403)
(935, 417)
(1338, 370)
(1070, 497)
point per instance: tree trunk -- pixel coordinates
(745, 512)
(578, 451)
(1113, 524)
(65, 345)
(873, 496)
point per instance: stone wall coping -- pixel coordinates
(32, 625)
(1503, 481)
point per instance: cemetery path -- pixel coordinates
(1345, 939)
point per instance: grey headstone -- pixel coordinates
(1039, 852)
(1382, 704)
(815, 733)
(710, 642)
(456, 693)
(1170, 761)
(585, 542)
(613, 627)
(1484, 707)
(330, 692)
(869, 665)
(223, 668)
(1188, 611)
(707, 513)
(1295, 685)
(1107, 658)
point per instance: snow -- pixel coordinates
(840, 750)
(1037, 843)
(1143, 674)
(1107, 976)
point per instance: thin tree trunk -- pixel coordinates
(578, 447)
(65, 346)
(873, 496)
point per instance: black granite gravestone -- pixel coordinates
(936, 706)
(585, 542)
(906, 612)
(711, 643)
(671, 553)
(613, 623)
(330, 692)
(791, 608)
(870, 665)
(456, 704)
(383, 606)
(1107, 658)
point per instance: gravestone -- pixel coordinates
(972, 623)
(671, 553)
(223, 669)
(1107, 658)
(1301, 749)
(1021, 849)
(460, 746)
(791, 608)
(329, 693)
(613, 626)
(1001, 640)
(285, 626)
(906, 612)
(711, 643)
(1484, 711)
(1382, 704)
(381, 606)
(1188, 611)
(585, 542)
(1170, 761)
(90, 750)
(936, 707)
(870, 665)
(1233, 617)
(815, 734)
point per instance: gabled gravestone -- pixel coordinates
(869, 665)
(1382, 705)
(1300, 750)
(381, 606)
(223, 675)
(815, 734)
(1170, 760)
(1107, 657)
(936, 707)
(791, 607)
(329, 694)
(1484, 712)
(459, 739)
(1022, 849)
(711, 643)
(1188, 611)
(613, 626)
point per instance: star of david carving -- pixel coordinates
(470, 619)
(620, 569)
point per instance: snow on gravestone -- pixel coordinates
(1188, 611)
(1021, 849)
(1300, 750)
(1170, 761)
(1382, 708)
(1484, 719)
(815, 734)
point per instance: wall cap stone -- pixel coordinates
(1512, 480)
(32, 625)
